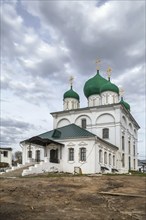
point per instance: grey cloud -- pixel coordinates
(12, 131)
(87, 39)
(11, 123)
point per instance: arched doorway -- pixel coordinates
(54, 156)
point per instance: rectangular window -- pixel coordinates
(100, 156)
(5, 153)
(134, 164)
(83, 154)
(29, 154)
(134, 149)
(123, 160)
(129, 147)
(105, 133)
(60, 152)
(113, 160)
(71, 154)
(105, 157)
(109, 159)
(83, 123)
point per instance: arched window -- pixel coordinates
(71, 154)
(105, 133)
(109, 159)
(83, 154)
(100, 156)
(105, 157)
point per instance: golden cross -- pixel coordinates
(71, 80)
(97, 64)
(109, 70)
(121, 92)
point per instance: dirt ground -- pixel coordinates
(59, 197)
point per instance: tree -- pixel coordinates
(18, 156)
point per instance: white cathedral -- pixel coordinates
(101, 137)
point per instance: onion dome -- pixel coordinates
(126, 105)
(71, 94)
(110, 87)
(94, 85)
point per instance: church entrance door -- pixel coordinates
(54, 156)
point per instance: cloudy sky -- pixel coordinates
(44, 42)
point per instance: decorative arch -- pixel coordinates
(124, 121)
(135, 133)
(63, 122)
(130, 127)
(105, 118)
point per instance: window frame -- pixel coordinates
(134, 149)
(83, 154)
(105, 157)
(29, 153)
(5, 153)
(71, 154)
(84, 123)
(123, 160)
(129, 146)
(123, 142)
(100, 156)
(114, 160)
(105, 133)
(110, 159)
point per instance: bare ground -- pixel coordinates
(72, 197)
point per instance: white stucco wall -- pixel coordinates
(113, 117)
(6, 159)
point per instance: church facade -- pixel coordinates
(101, 137)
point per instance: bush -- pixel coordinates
(3, 165)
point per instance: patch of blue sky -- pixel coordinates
(28, 19)
(101, 2)
(33, 22)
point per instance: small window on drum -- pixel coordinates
(83, 123)
(105, 133)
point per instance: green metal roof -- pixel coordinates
(125, 104)
(109, 87)
(93, 85)
(67, 132)
(71, 94)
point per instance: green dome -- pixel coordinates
(93, 85)
(71, 94)
(109, 87)
(126, 105)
